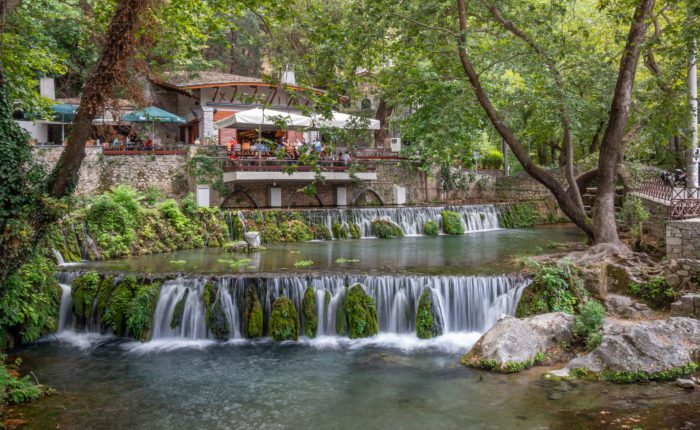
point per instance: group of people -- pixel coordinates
(291, 149)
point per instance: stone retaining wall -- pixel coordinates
(683, 239)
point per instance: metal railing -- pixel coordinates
(139, 149)
(255, 164)
(684, 202)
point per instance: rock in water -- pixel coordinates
(361, 313)
(308, 313)
(512, 344)
(252, 238)
(428, 317)
(252, 313)
(685, 383)
(660, 349)
(284, 320)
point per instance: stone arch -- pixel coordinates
(366, 197)
(299, 199)
(239, 199)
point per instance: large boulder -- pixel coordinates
(650, 350)
(514, 344)
(252, 238)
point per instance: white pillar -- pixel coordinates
(399, 195)
(275, 197)
(203, 196)
(693, 96)
(341, 196)
(207, 124)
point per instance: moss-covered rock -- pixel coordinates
(355, 231)
(284, 320)
(179, 309)
(341, 316)
(216, 320)
(555, 288)
(84, 290)
(452, 222)
(428, 320)
(519, 215)
(252, 313)
(118, 306)
(297, 231)
(141, 310)
(431, 228)
(385, 229)
(104, 293)
(308, 313)
(361, 313)
(322, 232)
(340, 231)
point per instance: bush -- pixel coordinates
(355, 231)
(118, 306)
(308, 312)
(252, 313)
(297, 231)
(340, 231)
(84, 291)
(519, 215)
(361, 313)
(589, 322)
(385, 229)
(141, 310)
(431, 228)
(284, 320)
(322, 232)
(452, 222)
(188, 205)
(554, 289)
(656, 292)
(492, 159)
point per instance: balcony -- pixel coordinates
(272, 169)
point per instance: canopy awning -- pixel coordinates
(64, 112)
(343, 120)
(264, 118)
(153, 114)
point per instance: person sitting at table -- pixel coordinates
(231, 144)
(245, 147)
(345, 157)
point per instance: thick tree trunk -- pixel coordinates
(595, 141)
(109, 71)
(383, 113)
(604, 226)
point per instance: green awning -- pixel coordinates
(153, 114)
(64, 112)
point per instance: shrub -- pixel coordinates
(297, 231)
(252, 313)
(322, 232)
(426, 326)
(84, 291)
(554, 289)
(452, 222)
(118, 306)
(656, 292)
(361, 313)
(308, 312)
(141, 310)
(519, 215)
(188, 205)
(171, 211)
(385, 229)
(589, 322)
(492, 159)
(340, 231)
(431, 228)
(355, 231)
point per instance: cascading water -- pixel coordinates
(465, 303)
(65, 311)
(411, 220)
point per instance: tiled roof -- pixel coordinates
(188, 80)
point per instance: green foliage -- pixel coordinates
(355, 231)
(620, 377)
(297, 231)
(452, 222)
(15, 389)
(29, 302)
(84, 291)
(308, 313)
(171, 212)
(340, 231)
(216, 320)
(322, 232)
(341, 316)
(188, 205)
(431, 228)
(519, 215)
(425, 322)
(284, 320)
(656, 292)
(118, 307)
(589, 323)
(179, 309)
(555, 288)
(252, 313)
(492, 159)
(346, 260)
(361, 313)
(303, 263)
(104, 294)
(140, 312)
(385, 229)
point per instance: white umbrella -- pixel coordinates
(259, 118)
(343, 120)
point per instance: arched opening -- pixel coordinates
(238, 199)
(300, 199)
(368, 197)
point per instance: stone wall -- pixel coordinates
(683, 239)
(98, 173)
(659, 212)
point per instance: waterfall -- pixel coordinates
(65, 310)
(59, 258)
(464, 303)
(411, 220)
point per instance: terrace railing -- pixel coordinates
(683, 202)
(138, 149)
(277, 165)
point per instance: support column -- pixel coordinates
(203, 196)
(399, 195)
(206, 125)
(341, 196)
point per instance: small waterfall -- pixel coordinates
(463, 303)
(59, 258)
(412, 220)
(65, 310)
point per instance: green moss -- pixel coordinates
(179, 309)
(322, 232)
(308, 313)
(296, 231)
(252, 313)
(656, 292)
(284, 320)
(385, 229)
(104, 293)
(519, 215)
(326, 302)
(216, 320)
(84, 290)
(340, 231)
(431, 228)
(341, 317)
(619, 377)
(492, 365)
(140, 312)
(426, 327)
(555, 288)
(361, 313)
(452, 222)
(355, 231)
(118, 306)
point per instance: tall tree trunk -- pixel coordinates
(595, 141)
(97, 91)
(604, 226)
(383, 113)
